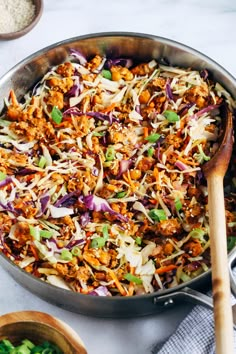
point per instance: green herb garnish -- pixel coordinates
(56, 115)
(157, 214)
(98, 133)
(138, 240)
(42, 162)
(110, 154)
(153, 137)
(76, 251)
(133, 278)
(2, 176)
(45, 233)
(171, 116)
(66, 255)
(97, 242)
(231, 242)
(106, 74)
(121, 194)
(178, 204)
(150, 151)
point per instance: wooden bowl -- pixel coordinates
(38, 13)
(39, 327)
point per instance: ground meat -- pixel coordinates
(65, 69)
(169, 228)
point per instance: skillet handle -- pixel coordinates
(194, 296)
(185, 294)
(232, 262)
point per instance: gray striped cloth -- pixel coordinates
(195, 334)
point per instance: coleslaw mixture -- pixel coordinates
(101, 189)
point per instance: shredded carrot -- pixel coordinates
(187, 162)
(109, 108)
(34, 251)
(13, 98)
(117, 282)
(86, 247)
(145, 132)
(166, 269)
(153, 201)
(155, 173)
(128, 179)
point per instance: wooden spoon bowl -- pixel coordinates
(39, 327)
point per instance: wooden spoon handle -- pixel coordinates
(220, 275)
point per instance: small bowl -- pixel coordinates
(39, 327)
(38, 13)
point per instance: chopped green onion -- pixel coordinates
(28, 347)
(76, 251)
(106, 74)
(7, 344)
(105, 232)
(150, 151)
(98, 133)
(138, 240)
(157, 214)
(197, 233)
(201, 157)
(42, 162)
(171, 116)
(98, 242)
(153, 137)
(110, 154)
(178, 204)
(232, 224)
(133, 278)
(184, 277)
(66, 255)
(231, 242)
(28, 343)
(34, 232)
(56, 115)
(45, 233)
(120, 194)
(2, 176)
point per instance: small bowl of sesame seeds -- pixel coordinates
(18, 17)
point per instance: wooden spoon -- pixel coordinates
(214, 171)
(39, 327)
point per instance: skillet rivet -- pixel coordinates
(169, 302)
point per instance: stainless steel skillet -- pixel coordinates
(142, 47)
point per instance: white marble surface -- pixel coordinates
(206, 25)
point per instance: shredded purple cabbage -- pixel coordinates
(204, 74)
(85, 219)
(44, 201)
(207, 109)
(124, 166)
(98, 115)
(92, 202)
(79, 56)
(100, 291)
(25, 172)
(9, 207)
(119, 61)
(181, 165)
(67, 200)
(169, 92)
(5, 182)
(74, 243)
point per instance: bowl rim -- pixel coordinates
(38, 13)
(35, 318)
